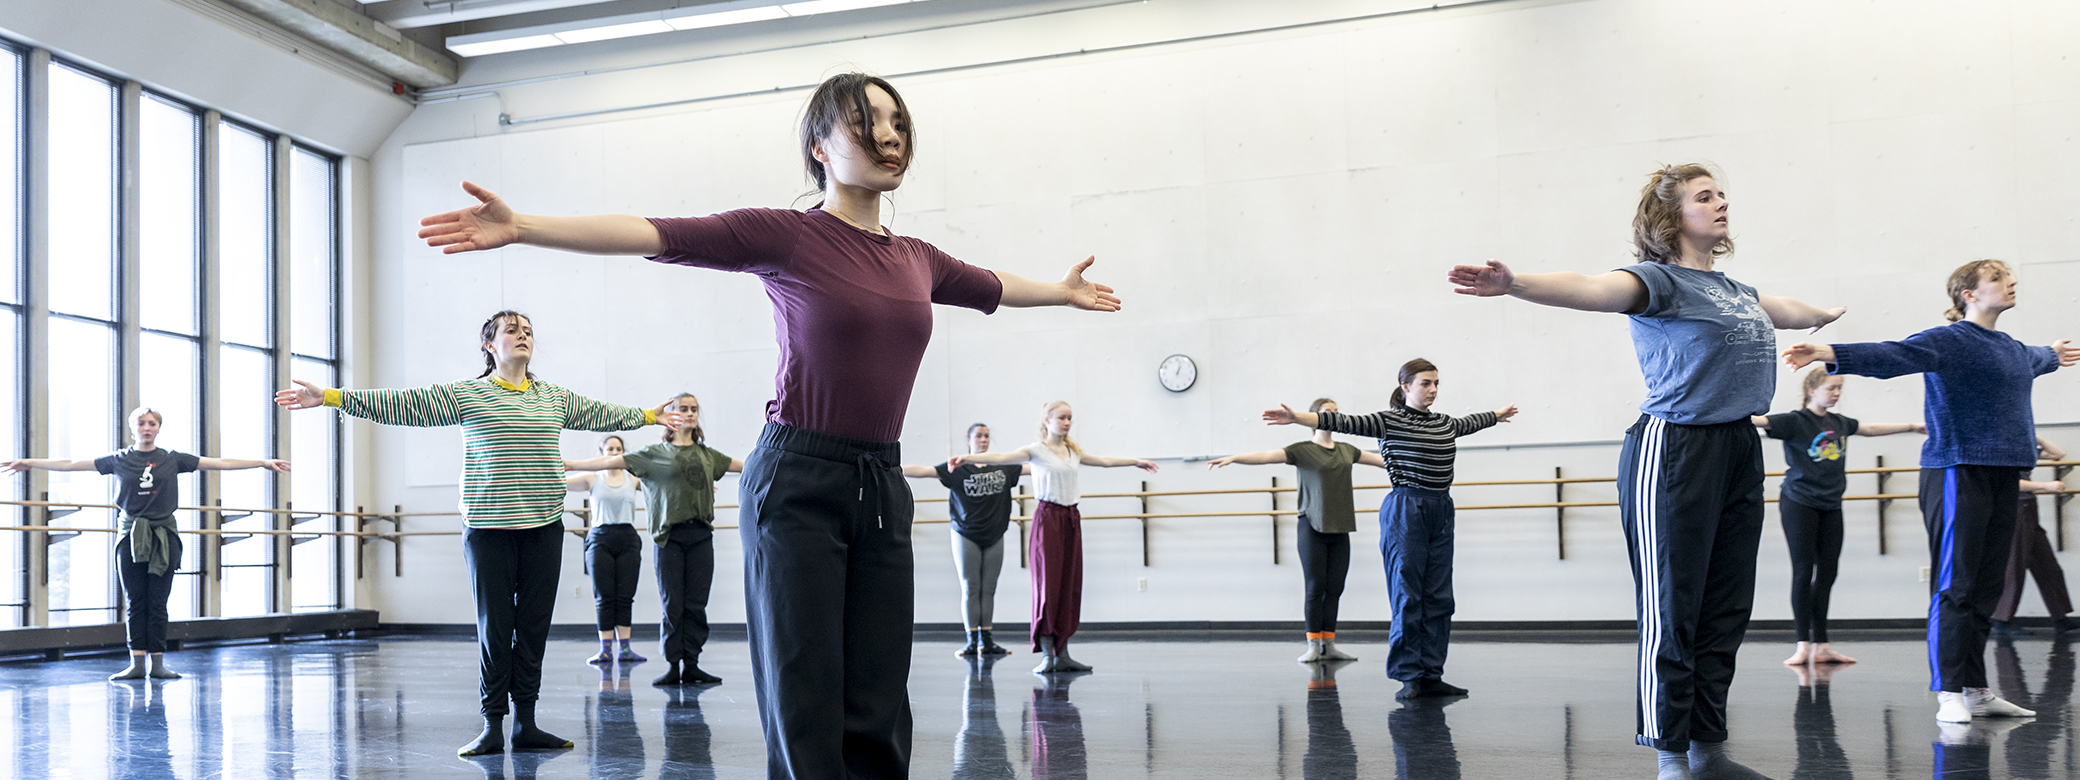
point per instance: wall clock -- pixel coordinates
(1177, 373)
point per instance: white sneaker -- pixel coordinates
(1952, 707)
(1984, 703)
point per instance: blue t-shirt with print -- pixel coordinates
(1705, 346)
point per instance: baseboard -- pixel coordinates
(1530, 629)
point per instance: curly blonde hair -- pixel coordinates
(1657, 227)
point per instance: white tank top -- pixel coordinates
(613, 504)
(1054, 478)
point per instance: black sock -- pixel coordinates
(527, 737)
(492, 741)
(670, 676)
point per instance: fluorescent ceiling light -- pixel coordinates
(718, 19)
(829, 6)
(629, 25)
(612, 31)
(501, 46)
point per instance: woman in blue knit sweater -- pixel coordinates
(1977, 382)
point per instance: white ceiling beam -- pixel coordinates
(364, 39)
(408, 14)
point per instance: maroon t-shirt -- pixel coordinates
(854, 309)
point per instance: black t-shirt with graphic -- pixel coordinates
(1813, 449)
(145, 485)
(981, 499)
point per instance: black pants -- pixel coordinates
(1417, 533)
(1690, 498)
(2031, 555)
(685, 575)
(614, 555)
(1970, 515)
(513, 573)
(1325, 562)
(1820, 753)
(1815, 538)
(829, 591)
(144, 597)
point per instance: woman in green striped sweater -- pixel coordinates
(512, 504)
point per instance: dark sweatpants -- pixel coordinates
(1690, 498)
(144, 597)
(1056, 552)
(1325, 563)
(1416, 533)
(513, 574)
(2031, 555)
(1970, 515)
(614, 554)
(829, 591)
(1815, 539)
(685, 575)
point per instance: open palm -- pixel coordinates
(1086, 294)
(487, 225)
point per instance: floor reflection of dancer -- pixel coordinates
(1417, 523)
(148, 543)
(1331, 755)
(1327, 519)
(616, 744)
(1057, 540)
(1423, 748)
(2032, 556)
(1054, 730)
(829, 623)
(2031, 745)
(613, 553)
(980, 751)
(1809, 504)
(688, 740)
(1820, 755)
(512, 506)
(679, 476)
(981, 514)
(1690, 472)
(1977, 383)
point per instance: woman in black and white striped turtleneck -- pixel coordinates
(1415, 520)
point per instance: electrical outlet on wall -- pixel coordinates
(1141, 584)
(1924, 573)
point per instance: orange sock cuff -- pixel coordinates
(1321, 635)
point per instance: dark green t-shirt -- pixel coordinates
(1325, 485)
(678, 483)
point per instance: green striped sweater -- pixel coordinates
(512, 466)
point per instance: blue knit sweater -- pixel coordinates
(1977, 390)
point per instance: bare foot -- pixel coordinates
(1802, 657)
(1827, 655)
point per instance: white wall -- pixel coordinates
(1281, 207)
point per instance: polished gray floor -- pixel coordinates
(398, 707)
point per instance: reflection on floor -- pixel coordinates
(397, 707)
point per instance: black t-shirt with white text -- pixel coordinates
(145, 485)
(981, 499)
(1813, 449)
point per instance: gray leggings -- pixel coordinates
(978, 567)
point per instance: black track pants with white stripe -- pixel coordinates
(1970, 515)
(1691, 500)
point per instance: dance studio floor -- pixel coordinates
(397, 707)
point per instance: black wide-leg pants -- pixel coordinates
(1690, 498)
(829, 597)
(685, 576)
(1969, 512)
(513, 574)
(614, 555)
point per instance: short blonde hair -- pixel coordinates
(1657, 226)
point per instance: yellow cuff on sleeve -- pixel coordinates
(649, 416)
(334, 398)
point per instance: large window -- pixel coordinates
(224, 279)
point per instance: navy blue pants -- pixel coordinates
(829, 592)
(1415, 537)
(1969, 512)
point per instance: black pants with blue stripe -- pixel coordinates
(1970, 515)
(1690, 497)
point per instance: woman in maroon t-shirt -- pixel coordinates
(826, 514)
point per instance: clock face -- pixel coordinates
(1177, 373)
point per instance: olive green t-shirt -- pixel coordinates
(1325, 485)
(678, 483)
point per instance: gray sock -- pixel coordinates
(1674, 765)
(1708, 761)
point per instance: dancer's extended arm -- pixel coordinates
(225, 464)
(1106, 462)
(1258, 458)
(1888, 429)
(492, 224)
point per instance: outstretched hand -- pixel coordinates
(13, 467)
(1503, 414)
(2068, 355)
(1485, 281)
(1145, 465)
(1283, 415)
(1086, 294)
(487, 225)
(276, 466)
(1802, 354)
(1828, 318)
(303, 396)
(1219, 462)
(956, 462)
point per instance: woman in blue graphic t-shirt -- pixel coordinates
(148, 544)
(1690, 473)
(1809, 504)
